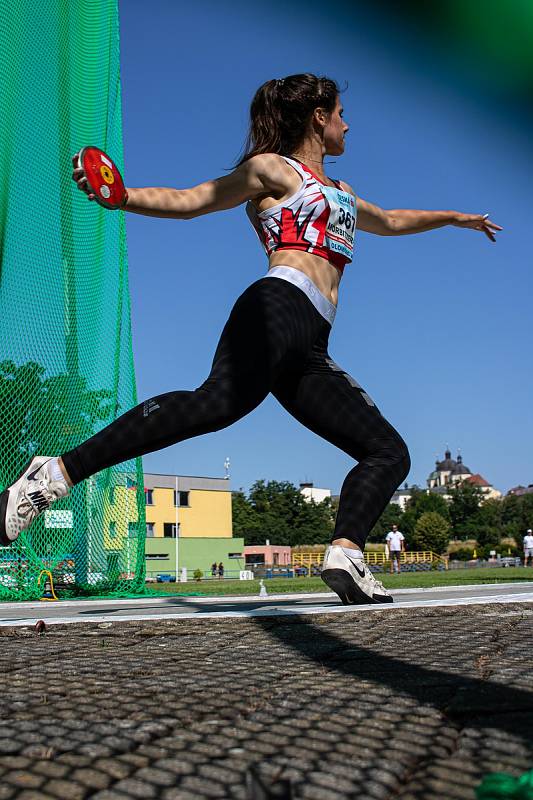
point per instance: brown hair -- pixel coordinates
(281, 110)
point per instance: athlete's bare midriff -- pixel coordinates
(324, 275)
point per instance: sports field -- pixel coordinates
(407, 580)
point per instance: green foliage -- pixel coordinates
(513, 530)
(485, 524)
(464, 554)
(392, 515)
(245, 519)
(490, 513)
(198, 575)
(432, 532)
(465, 503)
(277, 510)
(484, 551)
(29, 403)
(517, 514)
(492, 519)
(508, 549)
(475, 530)
(420, 503)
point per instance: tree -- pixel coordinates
(466, 499)
(485, 525)
(392, 515)
(276, 505)
(314, 524)
(517, 514)
(421, 502)
(44, 415)
(277, 510)
(245, 521)
(489, 513)
(50, 415)
(432, 532)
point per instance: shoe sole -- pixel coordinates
(5, 541)
(349, 592)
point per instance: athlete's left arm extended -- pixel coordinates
(400, 221)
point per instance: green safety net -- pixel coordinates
(66, 366)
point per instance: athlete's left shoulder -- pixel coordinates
(347, 187)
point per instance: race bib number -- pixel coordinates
(340, 230)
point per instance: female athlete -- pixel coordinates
(276, 337)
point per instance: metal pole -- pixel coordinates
(177, 529)
(128, 565)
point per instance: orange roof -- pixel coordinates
(477, 480)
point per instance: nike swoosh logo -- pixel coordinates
(31, 475)
(361, 574)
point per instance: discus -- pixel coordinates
(103, 177)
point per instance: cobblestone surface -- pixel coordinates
(415, 704)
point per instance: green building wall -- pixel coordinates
(193, 553)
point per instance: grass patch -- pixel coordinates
(406, 580)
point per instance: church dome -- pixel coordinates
(460, 468)
(448, 464)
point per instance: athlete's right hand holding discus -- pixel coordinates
(97, 175)
(80, 178)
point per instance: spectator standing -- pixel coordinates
(221, 570)
(528, 547)
(214, 569)
(396, 542)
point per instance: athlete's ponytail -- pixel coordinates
(281, 110)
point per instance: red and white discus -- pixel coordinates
(103, 177)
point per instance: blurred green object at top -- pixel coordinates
(500, 786)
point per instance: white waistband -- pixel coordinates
(300, 279)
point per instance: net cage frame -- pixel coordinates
(66, 358)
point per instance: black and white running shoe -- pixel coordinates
(29, 496)
(351, 579)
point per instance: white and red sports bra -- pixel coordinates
(317, 219)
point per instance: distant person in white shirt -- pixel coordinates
(528, 547)
(396, 542)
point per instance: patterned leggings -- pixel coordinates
(274, 341)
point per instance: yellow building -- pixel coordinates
(199, 509)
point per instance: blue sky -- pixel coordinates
(435, 326)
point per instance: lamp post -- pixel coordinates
(127, 537)
(176, 501)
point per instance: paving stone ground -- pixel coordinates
(412, 704)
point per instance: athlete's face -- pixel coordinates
(335, 131)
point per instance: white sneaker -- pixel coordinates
(29, 496)
(351, 579)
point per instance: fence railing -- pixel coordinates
(303, 565)
(375, 558)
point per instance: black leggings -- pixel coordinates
(274, 341)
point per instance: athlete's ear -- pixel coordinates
(320, 118)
